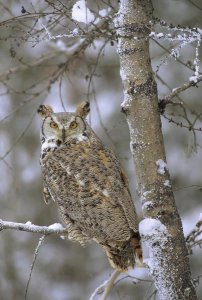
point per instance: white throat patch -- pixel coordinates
(48, 144)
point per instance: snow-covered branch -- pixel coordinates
(180, 36)
(56, 228)
(167, 99)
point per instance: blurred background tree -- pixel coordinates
(49, 55)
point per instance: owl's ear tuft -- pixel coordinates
(83, 109)
(44, 111)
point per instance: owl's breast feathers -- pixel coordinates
(88, 185)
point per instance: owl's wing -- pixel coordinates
(46, 194)
(89, 187)
(125, 200)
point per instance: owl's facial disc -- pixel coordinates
(61, 128)
(74, 128)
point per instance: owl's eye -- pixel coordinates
(73, 125)
(53, 125)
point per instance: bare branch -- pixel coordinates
(37, 62)
(24, 67)
(25, 17)
(177, 59)
(180, 89)
(194, 4)
(187, 112)
(106, 286)
(194, 238)
(19, 138)
(41, 240)
(180, 124)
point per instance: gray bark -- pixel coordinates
(162, 228)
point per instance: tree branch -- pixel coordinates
(106, 286)
(77, 47)
(194, 238)
(41, 240)
(180, 89)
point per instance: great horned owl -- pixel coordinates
(87, 183)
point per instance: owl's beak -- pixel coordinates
(63, 134)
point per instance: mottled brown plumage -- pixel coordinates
(87, 183)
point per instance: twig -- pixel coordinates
(148, 290)
(60, 94)
(110, 283)
(184, 106)
(177, 59)
(194, 238)
(106, 286)
(25, 17)
(194, 4)
(41, 240)
(98, 290)
(19, 138)
(100, 117)
(134, 279)
(199, 187)
(180, 124)
(153, 294)
(34, 63)
(94, 68)
(49, 56)
(70, 51)
(180, 89)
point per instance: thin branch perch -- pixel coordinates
(56, 228)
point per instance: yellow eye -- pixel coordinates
(73, 125)
(53, 125)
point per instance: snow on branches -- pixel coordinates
(183, 35)
(56, 228)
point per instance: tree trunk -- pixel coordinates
(161, 228)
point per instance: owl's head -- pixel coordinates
(60, 128)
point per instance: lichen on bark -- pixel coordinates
(169, 264)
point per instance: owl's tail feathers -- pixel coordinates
(127, 255)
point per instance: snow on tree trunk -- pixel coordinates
(161, 229)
